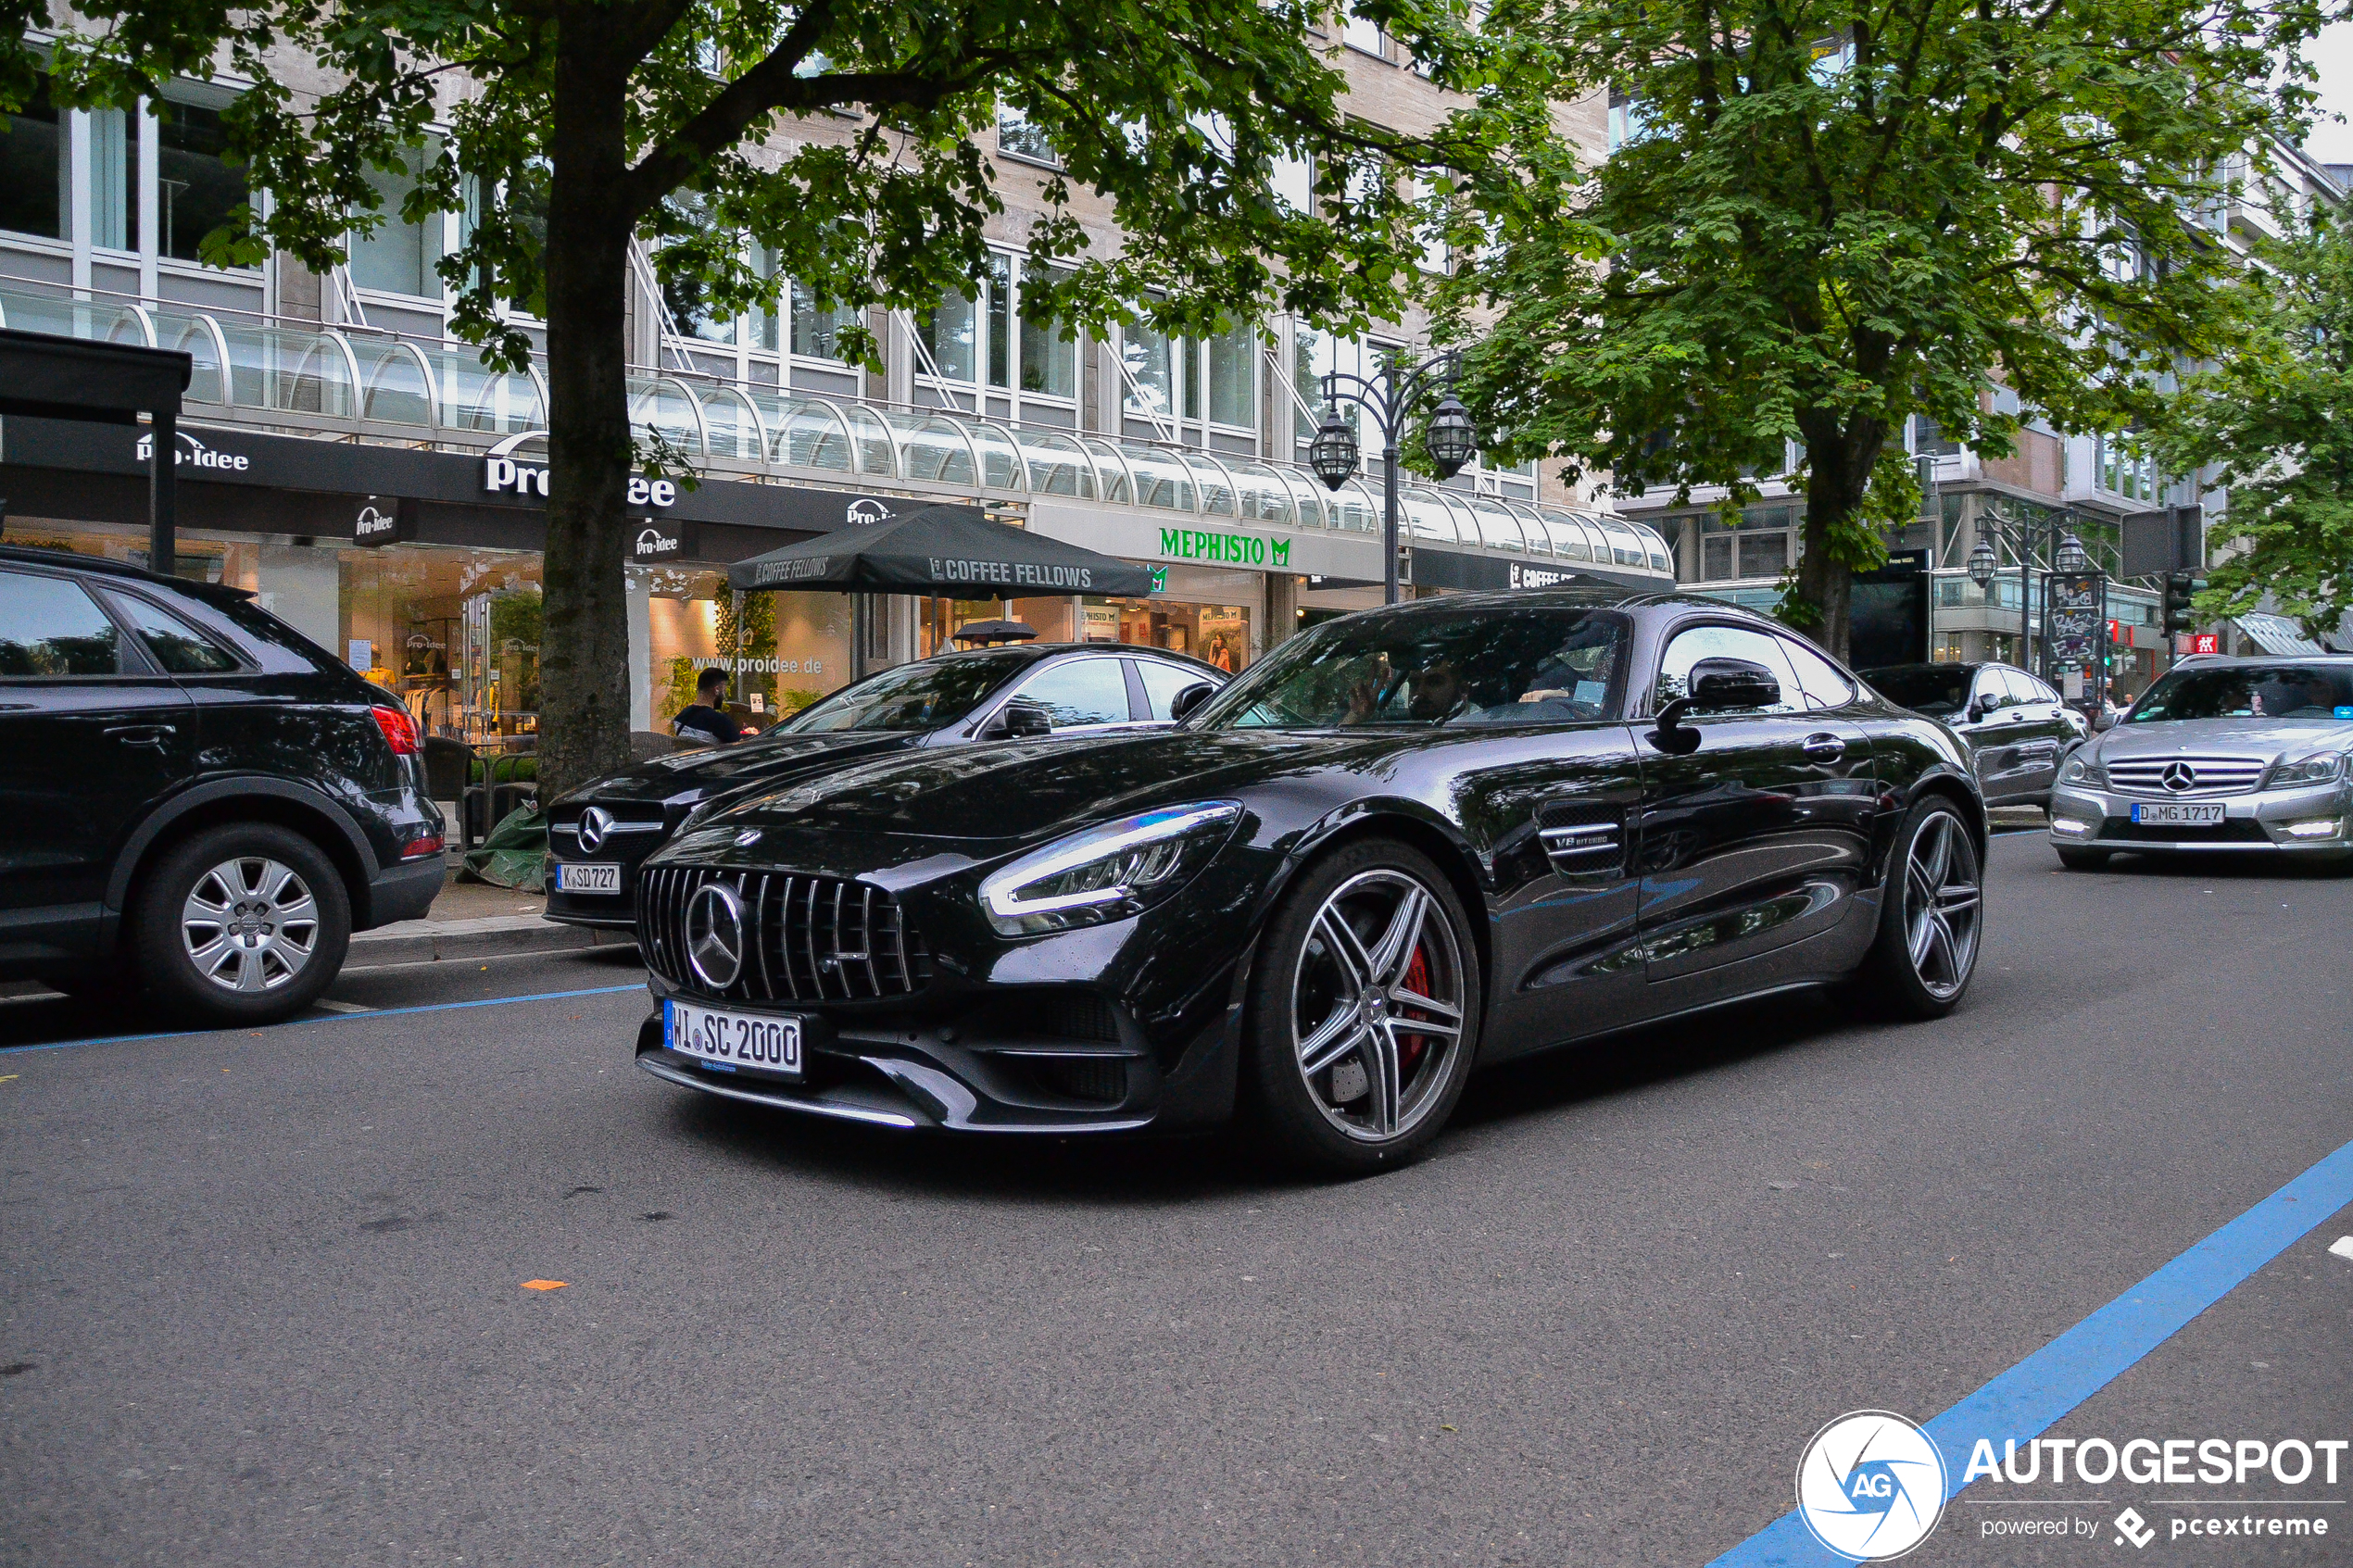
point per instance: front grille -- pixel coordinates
(2209, 775)
(1101, 1079)
(2233, 830)
(810, 938)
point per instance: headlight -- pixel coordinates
(2324, 767)
(2081, 770)
(1108, 873)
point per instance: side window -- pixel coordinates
(1817, 677)
(1992, 690)
(1162, 681)
(1696, 643)
(2021, 686)
(2042, 690)
(1081, 692)
(179, 647)
(49, 626)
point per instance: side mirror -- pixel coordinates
(1181, 706)
(1722, 683)
(1979, 707)
(2104, 720)
(1021, 719)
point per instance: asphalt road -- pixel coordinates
(263, 1295)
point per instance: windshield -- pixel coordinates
(1937, 689)
(1477, 667)
(2249, 691)
(921, 695)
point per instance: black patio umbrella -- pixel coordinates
(944, 549)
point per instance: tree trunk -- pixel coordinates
(584, 659)
(1839, 474)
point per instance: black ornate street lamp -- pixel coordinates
(2066, 554)
(1391, 395)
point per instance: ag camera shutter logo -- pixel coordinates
(1870, 1486)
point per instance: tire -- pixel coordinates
(1931, 914)
(1337, 1087)
(283, 925)
(2080, 859)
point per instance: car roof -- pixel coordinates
(2253, 661)
(214, 593)
(1039, 651)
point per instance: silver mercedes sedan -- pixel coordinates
(2243, 755)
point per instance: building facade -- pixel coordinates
(346, 460)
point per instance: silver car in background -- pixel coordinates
(2237, 755)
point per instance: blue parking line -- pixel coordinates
(2030, 1398)
(330, 1017)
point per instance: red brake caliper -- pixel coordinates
(1410, 1047)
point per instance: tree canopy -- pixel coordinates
(2274, 424)
(1822, 216)
(846, 143)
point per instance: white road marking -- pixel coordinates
(2344, 1247)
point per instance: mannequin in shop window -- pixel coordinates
(707, 724)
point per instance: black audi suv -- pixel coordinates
(1406, 842)
(195, 799)
(599, 833)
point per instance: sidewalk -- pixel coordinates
(471, 920)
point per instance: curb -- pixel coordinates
(422, 941)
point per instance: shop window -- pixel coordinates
(198, 186)
(48, 626)
(1082, 692)
(398, 257)
(34, 193)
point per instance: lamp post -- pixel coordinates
(1389, 396)
(2066, 554)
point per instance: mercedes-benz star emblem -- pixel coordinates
(715, 934)
(595, 822)
(2178, 776)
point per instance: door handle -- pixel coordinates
(141, 734)
(1824, 748)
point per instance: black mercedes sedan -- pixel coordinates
(599, 833)
(2019, 730)
(1405, 843)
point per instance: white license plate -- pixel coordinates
(761, 1041)
(588, 878)
(2172, 814)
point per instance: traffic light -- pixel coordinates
(2180, 588)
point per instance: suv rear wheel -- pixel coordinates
(245, 924)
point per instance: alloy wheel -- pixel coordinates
(1943, 895)
(1377, 1005)
(249, 925)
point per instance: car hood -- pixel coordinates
(1020, 790)
(2265, 738)
(720, 768)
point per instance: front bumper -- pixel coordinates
(908, 1073)
(2255, 823)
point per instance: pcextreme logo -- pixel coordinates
(1870, 1486)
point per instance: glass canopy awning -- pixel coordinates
(396, 387)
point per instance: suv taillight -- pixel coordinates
(398, 728)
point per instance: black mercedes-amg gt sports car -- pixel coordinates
(1405, 843)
